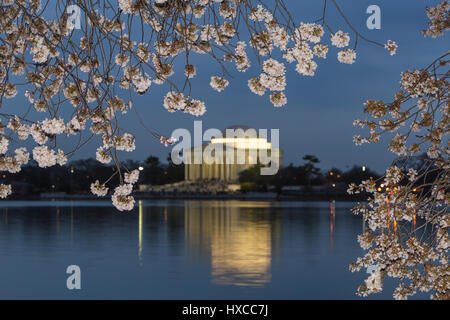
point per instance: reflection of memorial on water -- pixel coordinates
(240, 242)
(178, 249)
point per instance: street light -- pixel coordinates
(71, 174)
(141, 168)
(363, 168)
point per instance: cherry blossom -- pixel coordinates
(407, 209)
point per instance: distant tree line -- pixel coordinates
(77, 175)
(306, 174)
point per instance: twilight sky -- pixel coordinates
(320, 111)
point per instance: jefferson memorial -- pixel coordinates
(239, 152)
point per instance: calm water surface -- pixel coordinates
(180, 250)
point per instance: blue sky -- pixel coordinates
(320, 111)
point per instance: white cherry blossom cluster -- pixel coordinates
(347, 56)
(391, 46)
(100, 190)
(439, 20)
(218, 83)
(167, 141)
(177, 102)
(131, 177)
(5, 190)
(340, 39)
(122, 198)
(46, 157)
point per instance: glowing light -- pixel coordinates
(331, 173)
(141, 168)
(379, 189)
(363, 168)
(334, 185)
(244, 143)
(414, 190)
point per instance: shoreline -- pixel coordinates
(184, 196)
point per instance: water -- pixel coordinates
(180, 250)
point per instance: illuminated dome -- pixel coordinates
(242, 142)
